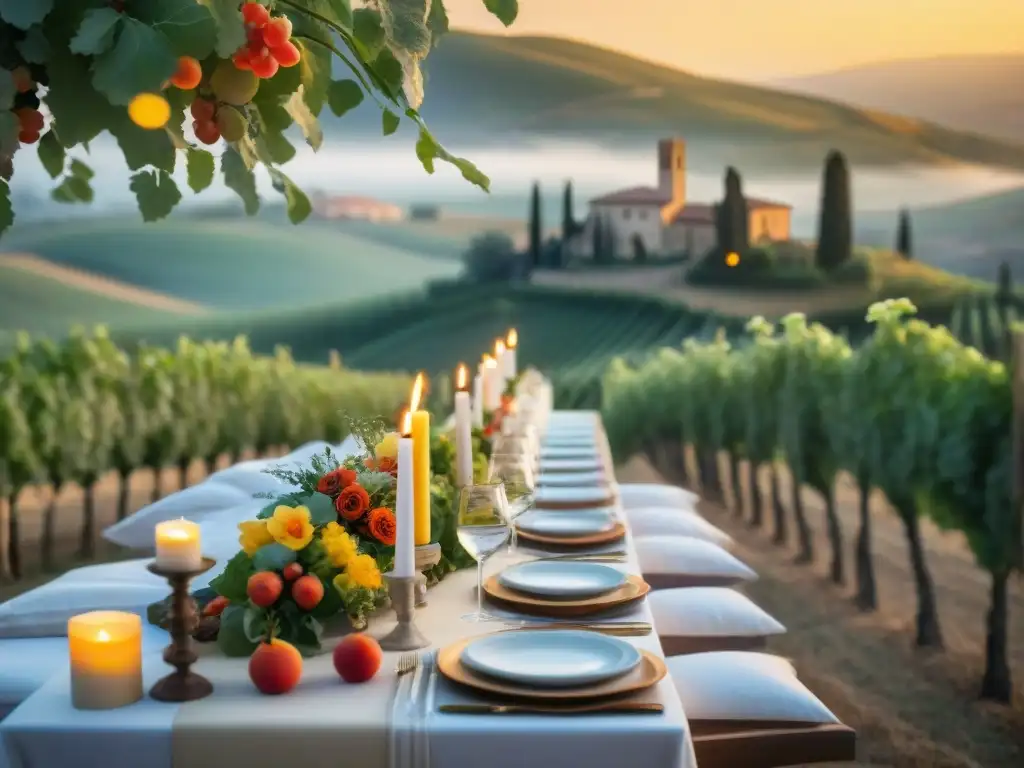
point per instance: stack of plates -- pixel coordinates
(575, 527)
(573, 496)
(579, 479)
(566, 466)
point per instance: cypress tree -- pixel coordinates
(597, 233)
(835, 227)
(536, 243)
(732, 224)
(904, 241)
(568, 220)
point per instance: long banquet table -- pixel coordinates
(389, 722)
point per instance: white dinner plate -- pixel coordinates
(570, 441)
(567, 524)
(551, 658)
(568, 466)
(575, 479)
(572, 494)
(562, 580)
(569, 452)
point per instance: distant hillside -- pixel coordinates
(970, 93)
(490, 90)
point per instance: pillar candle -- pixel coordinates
(499, 359)
(178, 546)
(421, 475)
(405, 518)
(511, 343)
(492, 385)
(105, 652)
(478, 401)
(463, 432)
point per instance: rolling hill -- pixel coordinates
(968, 93)
(490, 90)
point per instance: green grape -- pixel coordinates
(232, 85)
(232, 124)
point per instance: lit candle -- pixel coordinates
(492, 385)
(478, 399)
(511, 342)
(177, 546)
(105, 651)
(420, 464)
(499, 359)
(405, 518)
(463, 430)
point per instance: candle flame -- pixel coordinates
(512, 339)
(499, 347)
(461, 377)
(417, 393)
(103, 636)
(490, 362)
(405, 423)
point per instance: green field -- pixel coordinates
(237, 265)
(490, 90)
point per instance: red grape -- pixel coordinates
(277, 32)
(30, 119)
(255, 15)
(287, 55)
(26, 136)
(265, 67)
(206, 131)
(188, 74)
(203, 109)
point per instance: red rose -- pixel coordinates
(352, 502)
(382, 526)
(334, 481)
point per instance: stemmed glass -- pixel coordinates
(482, 527)
(517, 445)
(516, 472)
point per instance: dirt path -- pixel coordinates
(102, 286)
(910, 708)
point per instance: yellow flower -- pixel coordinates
(387, 448)
(339, 546)
(362, 571)
(291, 527)
(254, 534)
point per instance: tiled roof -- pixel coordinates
(634, 196)
(695, 213)
(754, 202)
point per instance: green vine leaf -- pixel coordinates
(389, 70)
(368, 30)
(315, 76)
(344, 96)
(273, 148)
(51, 153)
(142, 147)
(240, 178)
(97, 32)
(230, 25)
(34, 47)
(505, 10)
(389, 122)
(305, 119)
(9, 129)
(299, 209)
(156, 193)
(437, 21)
(76, 106)
(80, 170)
(140, 61)
(200, 166)
(6, 209)
(73, 189)
(189, 26)
(341, 12)
(24, 13)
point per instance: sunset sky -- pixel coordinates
(761, 39)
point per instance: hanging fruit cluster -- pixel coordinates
(26, 106)
(268, 43)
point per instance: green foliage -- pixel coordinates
(732, 219)
(536, 228)
(835, 227)
(904, 239)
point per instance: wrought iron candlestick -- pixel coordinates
(405, 636)
(183, 684)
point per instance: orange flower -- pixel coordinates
(388, 465)
(333, 482)
(382, 525)
(352, 502)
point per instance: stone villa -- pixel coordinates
(665, 221)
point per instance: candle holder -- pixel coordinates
(183, 684)
(405, 636)
(427, 556)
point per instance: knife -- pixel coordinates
(628, 707)
(620, 628)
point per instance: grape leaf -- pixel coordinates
(299, 209)
(190, 27)
(97, 32)
(341, 12)
(239, 178)
(7, 91)
(142, 147)
(140, 62)
(80, 170)
(6, 209)
(34, 47)
(315, 76)
(368, 29)
(389, 122)
(230, 25)
(305, 119)
(428, 150)
(51, 153)
(343, 96)
(73, 189)
(389, 70)
(274, 117)
(156, 192)
(200, 167)
(437, 21)
(24, 13)
(9, 129)
(76, 106)
(273, 148)
(505, 10)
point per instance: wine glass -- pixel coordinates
(482, 527)
(516, 473)
(516, 445)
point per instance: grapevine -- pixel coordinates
(172, 79)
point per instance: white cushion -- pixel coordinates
(122, 586)
(656, 495)
(662, 521)
(740, 685)
(709, 612)
(694, 562)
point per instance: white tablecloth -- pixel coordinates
(46, 732)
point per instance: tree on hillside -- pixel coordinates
(835, 227)
(904, 240)
(569, 226)
(536, 237)
(732, 224)
(492, 257)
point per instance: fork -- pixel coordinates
(407, 662)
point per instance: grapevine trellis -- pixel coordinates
(911, 411)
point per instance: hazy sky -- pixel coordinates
(759, 39)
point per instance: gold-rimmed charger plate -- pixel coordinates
(586, 498)
(635, 588)
(649, 673)
(593, 540)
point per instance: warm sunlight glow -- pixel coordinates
(461, 378)
(417, 394)
(499, 348)
(405, 423)
(103, 636)
(512, 339)
(732, 259)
